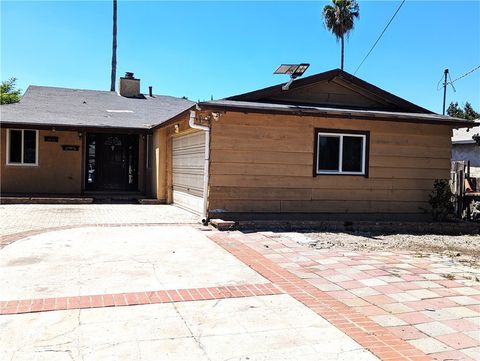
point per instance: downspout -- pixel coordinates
(206, 167)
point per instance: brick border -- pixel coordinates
(375, 338)
(136, 298)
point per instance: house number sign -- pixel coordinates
(71, 148)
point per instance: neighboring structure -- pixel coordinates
(464, 148)
(330, 146)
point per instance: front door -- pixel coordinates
(112, 161)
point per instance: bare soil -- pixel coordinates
(465, 249)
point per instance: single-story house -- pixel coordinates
(465, 148)
(329, 146)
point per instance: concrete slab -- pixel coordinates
(255, 328)
(103, 260)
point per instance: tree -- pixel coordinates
(339, 18)
(470, 114)
(476, 138)
(114, 48)
(466, 113)
(8, 92)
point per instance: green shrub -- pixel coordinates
(440, 200)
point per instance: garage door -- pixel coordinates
(188, 170)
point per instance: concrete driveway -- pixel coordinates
(132, 288)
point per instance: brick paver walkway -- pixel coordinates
(413, 298)
(135, 298)
(21, 218)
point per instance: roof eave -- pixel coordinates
(31, 125)
(413, 118)
(463, 142)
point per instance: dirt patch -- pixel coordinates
(465, 249)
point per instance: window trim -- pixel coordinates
(21, 164)
(341, 133)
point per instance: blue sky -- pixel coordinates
(199, 49)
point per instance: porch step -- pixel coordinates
(222, 225)
(151, 201)
(46, 200)
(115, 197)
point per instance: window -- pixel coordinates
(22, 147)
(339, 152)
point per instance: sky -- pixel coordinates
(222, 48)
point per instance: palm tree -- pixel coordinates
(339, 19)
(114, 48)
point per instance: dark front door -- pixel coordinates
(112, 161)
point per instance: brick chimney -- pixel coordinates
(129, 86)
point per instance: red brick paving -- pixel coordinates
(403, 289)
(136, 298)
(377, 339)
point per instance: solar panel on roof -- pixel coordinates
(294, 70)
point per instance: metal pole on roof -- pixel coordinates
(445, 89)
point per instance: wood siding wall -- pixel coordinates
(264, 163)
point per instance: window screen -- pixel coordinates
(29, 146)
(328, 152)
(15, 143)
(352, 154)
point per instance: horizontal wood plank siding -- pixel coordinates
(264, 163)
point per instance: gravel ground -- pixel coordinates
(465, 249)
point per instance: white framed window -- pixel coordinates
(341, 152)
(22, 147)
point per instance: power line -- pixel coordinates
(438, 84)
(376, 42)
(464, 75)
(451, 83)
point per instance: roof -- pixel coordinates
(52, 106)
(464, 135)
(342, 80)
(333, 112)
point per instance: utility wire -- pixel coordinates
(464, 75)
(376, 42)
(440, 82)
(451, 83)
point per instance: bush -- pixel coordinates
(440, 200)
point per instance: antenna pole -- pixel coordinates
(445, 89)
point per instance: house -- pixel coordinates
(464, 148)
(72, 141)
(331, 146)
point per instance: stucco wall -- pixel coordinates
(58, 171)
(467, 152)
(264, 163)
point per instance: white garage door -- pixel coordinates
(188, 170)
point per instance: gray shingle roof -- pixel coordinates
(42, 105)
